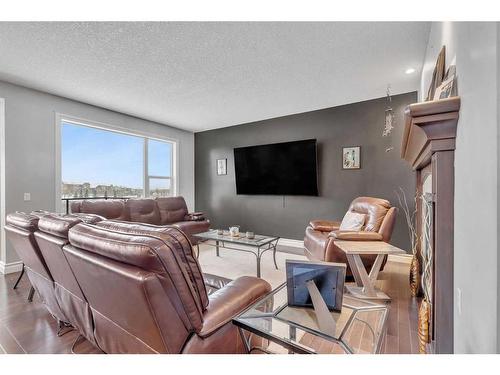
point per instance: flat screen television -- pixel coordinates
(287, 168)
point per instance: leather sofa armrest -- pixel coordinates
(231, 300)
(324, 225)
(195, 216)
(348, 235)
(215, 282)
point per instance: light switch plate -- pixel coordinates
(27, 197)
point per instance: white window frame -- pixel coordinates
(60, 118)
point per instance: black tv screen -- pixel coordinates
(277, 169)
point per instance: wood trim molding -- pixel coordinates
(429, 127)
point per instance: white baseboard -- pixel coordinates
(291, 243)
(6, 268)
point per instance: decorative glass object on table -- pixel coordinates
(360, 325)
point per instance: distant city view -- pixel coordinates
(86, 190)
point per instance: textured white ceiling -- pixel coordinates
(199, 76)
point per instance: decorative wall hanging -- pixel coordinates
(221, 167)
(389, 120)
(351, 157)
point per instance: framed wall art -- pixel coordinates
(221, 167)
(351, 157)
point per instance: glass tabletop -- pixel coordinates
(359, 326)
(258, 240)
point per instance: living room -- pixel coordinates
(249, 187)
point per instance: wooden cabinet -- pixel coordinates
(428, 145)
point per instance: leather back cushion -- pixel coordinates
(75, 206)
(375, 210)
(388, 224)
(172, 209)
(134, 310)
(175, 238)
(20, 232)
(19, 229)
(110, 209)
(143, 211)
(57, 225)
(23, 221)
(149, 254)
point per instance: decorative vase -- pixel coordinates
(423, 326)
(414, 276)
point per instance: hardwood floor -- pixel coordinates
(27, 327)
(402, 336)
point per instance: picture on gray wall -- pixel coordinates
(351, 157)
(221, 167)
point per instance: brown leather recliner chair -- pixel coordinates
(51, 237)
(158, 211)
(146, 291)
(320, 236)
(20, 228)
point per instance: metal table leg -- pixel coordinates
(217, 247)
(259, 254)
(19, 278)
(31, 294)
(274, 253)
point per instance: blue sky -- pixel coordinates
(103, 157)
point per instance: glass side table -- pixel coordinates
(360, 326)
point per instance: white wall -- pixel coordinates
(473, 48)
(30, 147)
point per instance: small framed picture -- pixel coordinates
(351, 157)
(221, 167)
(446, 89)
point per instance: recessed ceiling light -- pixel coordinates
(410, 71)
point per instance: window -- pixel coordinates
(101, 162)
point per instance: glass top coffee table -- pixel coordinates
(360, 326)
(256, 246)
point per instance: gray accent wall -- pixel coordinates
(30, 146)
(358, 124)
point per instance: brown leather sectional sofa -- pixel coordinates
(158, 211)
(130, 287)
